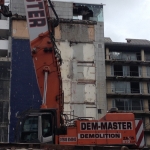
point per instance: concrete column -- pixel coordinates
(144, 90)
(100, 70)
(108, 87)
(109, 104)
(147, 123)
(107, 54)
(108, 70)
(145, 105)
(144, 72)
(142, 55)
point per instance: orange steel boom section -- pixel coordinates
(44, 56)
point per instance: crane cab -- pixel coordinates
(39, 127)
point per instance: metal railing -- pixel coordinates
(127, 90)
(128, 73)
(130, 108)
(124, 57)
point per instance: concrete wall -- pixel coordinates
(100, 69)
(82, 60)
(64, 10)
(17, 7)
(19, 29)
(78, 78)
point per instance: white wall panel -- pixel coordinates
(90, 93)
(77, 70)
(67, 91)
(66, 50)
(87, 73)
(65, 70)
(88, 52)
(91, 112)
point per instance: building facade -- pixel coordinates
(128, 77)
(4, 77)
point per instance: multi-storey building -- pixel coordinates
(4, 78)
(128, 78)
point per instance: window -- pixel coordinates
(137, 105)
(149, 104)
(88, 12)
(30, 129)
(135, 87)
(46, 125)
(125, 56)
(118, 71)
(148, 87)
(4, 107)
(128, 104)
(148, 71)
(116, 55)
(134, 71)
(122, 104)
(121, 87)
(147, 57)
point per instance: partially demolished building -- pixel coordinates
(80, 38)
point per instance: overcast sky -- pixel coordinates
(124, 18)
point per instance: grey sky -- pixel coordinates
(124, 18)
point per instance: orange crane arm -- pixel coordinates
(46, 56)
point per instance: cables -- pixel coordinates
(57, 19)
(56, 50)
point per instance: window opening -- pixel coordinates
(128, 104)
(135, 88)
(87, 12)
(30, 129)
(137, 105)
(138, 56)
(149, 104)
(134, 71)
(116, 55)
(148, 86)
(118, 71)
(46, 125)
(147, 57)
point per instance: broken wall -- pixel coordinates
(78, 76)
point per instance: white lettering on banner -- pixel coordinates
(67, 139)
(99, 136)
(106, 126)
